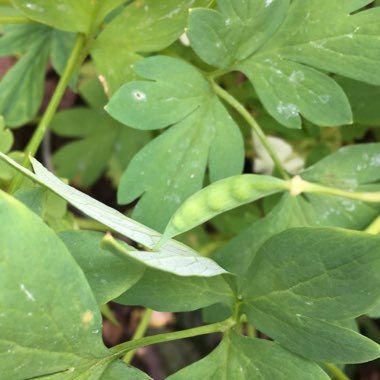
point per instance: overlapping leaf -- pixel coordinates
(108, 275)
(241, 358)
(21, 89)
(203, 132)
(45, 330)
(168, 292)
(173, 257)
(69, 15)
(364, 99)
(286, 59)
(143, 27)
(353, 168)
(307, 279)
(100, 141)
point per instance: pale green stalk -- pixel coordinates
(297, 185)
(338, 374)
(228, 98)
(74, 61)
(125, 347)
(139, 333)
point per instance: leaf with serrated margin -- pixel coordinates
(171, 253)
(175, 92)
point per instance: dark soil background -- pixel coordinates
(161, 360)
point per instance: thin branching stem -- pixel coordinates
(234, 103)
(74, 61)
(139, 333)
(125, 347)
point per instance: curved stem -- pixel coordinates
(139, 333)
(74, 61)
(15, 20)
(123, 348)
(253, 124)
(338, 374)
(297, 185)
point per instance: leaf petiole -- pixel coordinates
(297, 185)
(139, 333)
(125, 347)
(228, 98)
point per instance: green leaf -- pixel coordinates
(241, 358)
(45, 330)
(323, 276)
(349, 168)
(176, 258)
(99, 139)
(108, 276)
(167, 292)
(183, 262)
(285, 60)
(69, 15)
(176, 93)
(143, 27)
(364, 99)
(21, 89)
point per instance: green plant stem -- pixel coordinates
(15, 20)
(297, 185)
(338, 374)
(108, 314)
(226, 96)
(139, 333)
(374, 227)
(123, 348)
(74, 61)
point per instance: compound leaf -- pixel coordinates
(286, 61)
(143, 27)
(178, 94)
(100, 142)
(21, 89)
